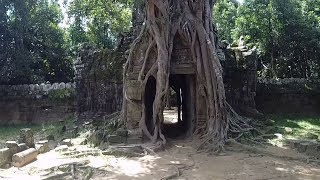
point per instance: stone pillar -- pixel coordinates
(26, 136)
(5, 156)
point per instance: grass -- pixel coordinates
(293, 127)
(41, 131)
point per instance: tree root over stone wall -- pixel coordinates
(191, 20)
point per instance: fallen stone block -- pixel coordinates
(43, 146)
(13, 146)
(52, 144)
(61, 148)
(43, 142)
(26, 136)
(25, 157)
(5, 156)
(79, 141)
(22, 147)
(66, 142)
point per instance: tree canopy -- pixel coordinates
(36, 48)
(287, 33)
(33, 47)
(99, 22)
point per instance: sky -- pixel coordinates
(64, 24)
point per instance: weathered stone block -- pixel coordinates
(134, 90)
(26, 136)
(42, 146)
(134, 116)
(5, 156)
(22, 147)
(66, 142)
(13, 146)
(61, 148)
(25, 157)
(52, 144)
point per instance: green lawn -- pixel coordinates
(41, 131)
(296, 127)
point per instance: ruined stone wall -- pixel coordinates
(99, 74)
(240, 77)
(288, 96)
(20, 104)
(98, 82)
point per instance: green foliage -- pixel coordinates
(225, 13)
(286, 33)
(32, 44)
(61, 94)
(99, 22)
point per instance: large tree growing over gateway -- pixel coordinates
(192, 20)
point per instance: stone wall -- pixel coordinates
(288, 96)
(97, 75)
(240, 77)
(20, 104)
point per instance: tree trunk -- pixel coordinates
(192, 20)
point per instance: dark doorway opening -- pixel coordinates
(179, 118)
(183, 97)
(149, 95)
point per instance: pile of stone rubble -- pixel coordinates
(25, 150)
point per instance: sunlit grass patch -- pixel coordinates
(297, 127)
(41, 131)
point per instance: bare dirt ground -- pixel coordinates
(181, 156)
(179, 160)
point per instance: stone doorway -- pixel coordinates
(174, 126)
(182, 102)
(149, 95)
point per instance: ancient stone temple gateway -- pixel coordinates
(139, 95)
(182, 77)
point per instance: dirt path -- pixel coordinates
(180, 156)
